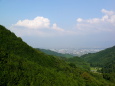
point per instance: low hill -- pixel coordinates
(101, 58)
(22, 65)
(49, 52)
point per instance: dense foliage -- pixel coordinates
(21, 65)
(109, 71)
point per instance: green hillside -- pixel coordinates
(14, 45)
(73, 61)
(22, 65)
(49, 52)
(104, 59)
(101, 58)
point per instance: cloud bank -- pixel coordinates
(94, 25)
(41, 26)
(36, 23)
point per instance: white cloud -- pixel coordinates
(55, 27)
(79, 20)
(39, 26)
(94, 25)
(36, 23)
(107, 12)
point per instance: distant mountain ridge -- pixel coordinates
(49, 52)
(77, 51)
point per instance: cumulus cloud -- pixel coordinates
(39, 26)
(106, 23)
(107, 12)
(55, 27)
(36, 23)
(79, 20)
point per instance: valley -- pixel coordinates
(57, 42)
(23, 65)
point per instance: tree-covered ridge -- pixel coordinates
(21, 65)
(101, 58)
(49, 52)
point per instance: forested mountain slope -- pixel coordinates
(21, 65)
(101, 58)
(14, 45)
(104, 59)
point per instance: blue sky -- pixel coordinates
(61, 23)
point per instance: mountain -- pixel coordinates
(49, 52)
(22, 65)
(101, 58)
(14, 45)
(104, 59)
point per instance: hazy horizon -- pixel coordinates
(61, 23)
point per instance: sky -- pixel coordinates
(61, 23)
